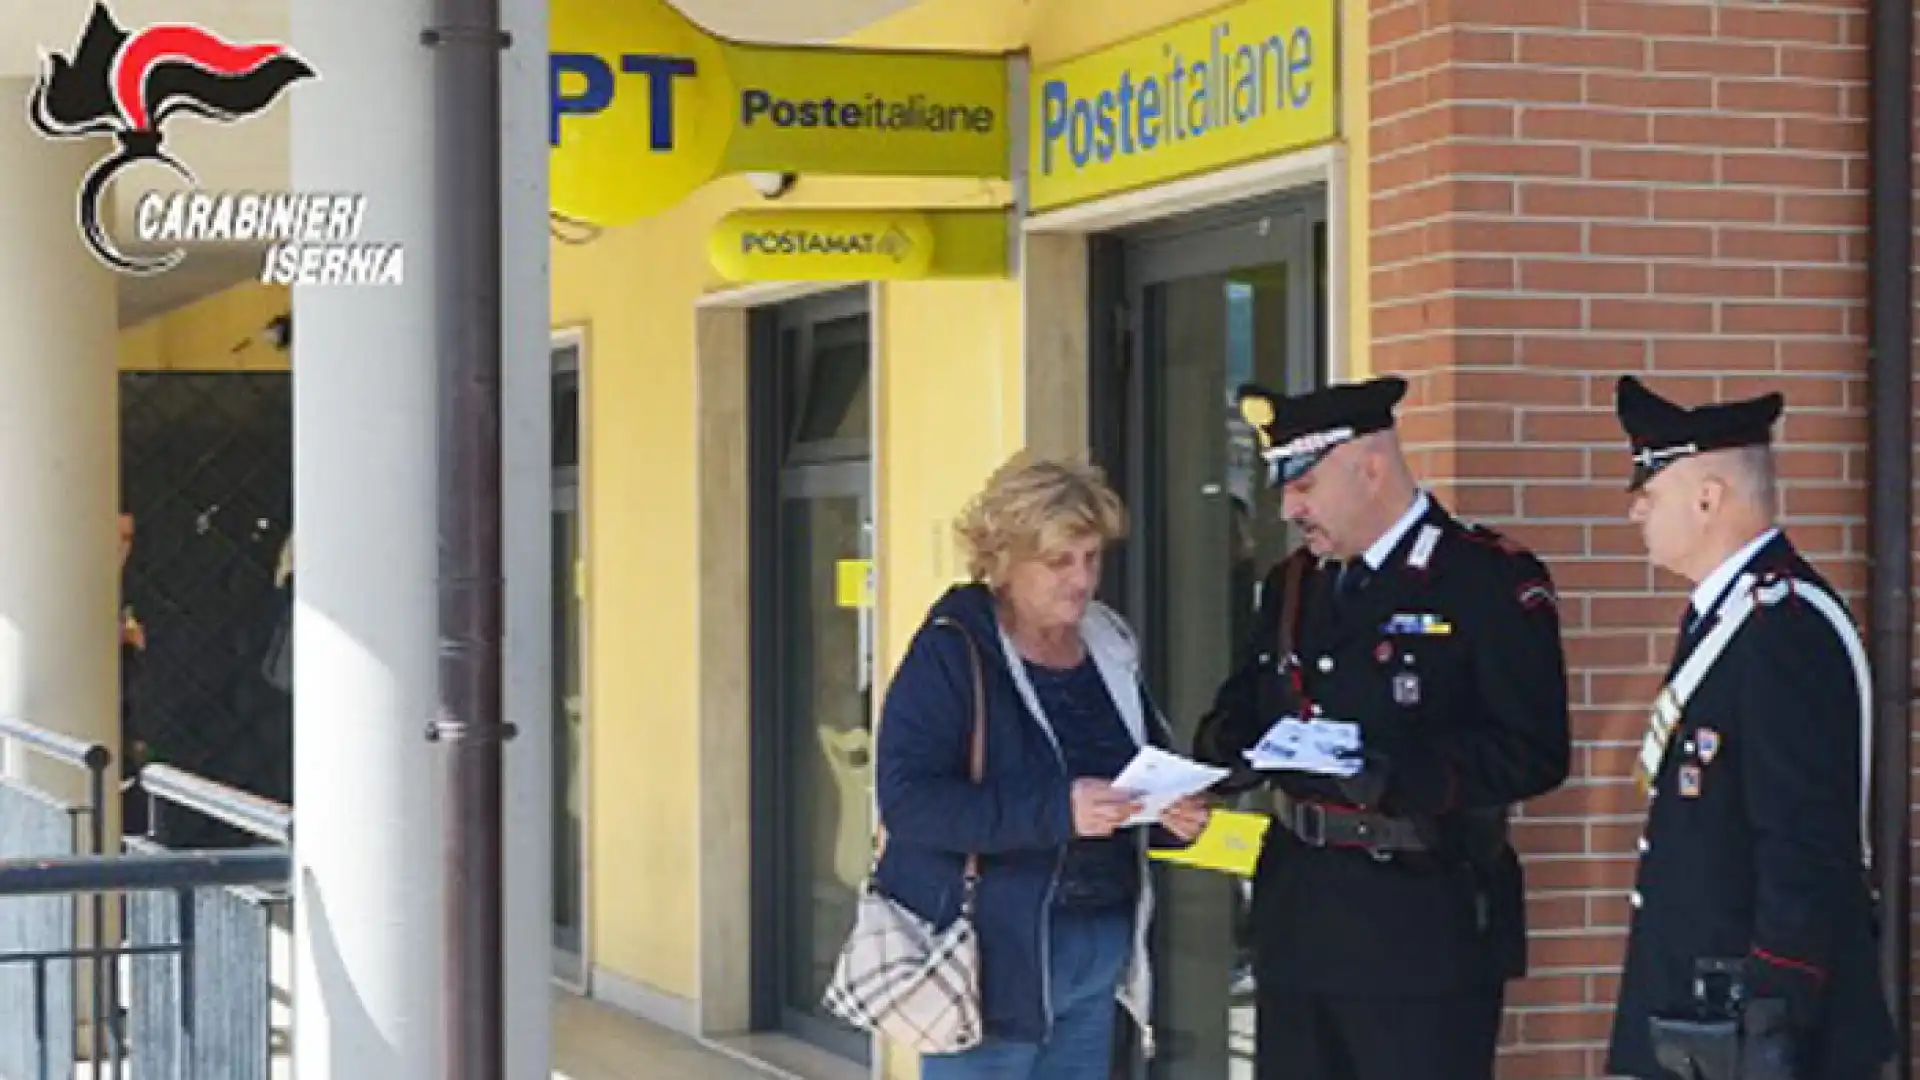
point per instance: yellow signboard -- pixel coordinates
(859, 245)
(645, 107)
(1245, 82)
(853, 583)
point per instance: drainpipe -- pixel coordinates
(464, 44)
(1890, 503)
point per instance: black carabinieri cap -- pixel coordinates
(1662, 432)
(1298, 432)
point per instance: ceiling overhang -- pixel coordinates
(788, 21)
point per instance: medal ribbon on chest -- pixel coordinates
(1666, 715)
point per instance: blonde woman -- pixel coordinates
(1063, 898)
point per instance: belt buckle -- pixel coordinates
(1371, 843)
(1310, 811)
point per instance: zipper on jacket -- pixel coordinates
(1053, 887)
(1039, 717)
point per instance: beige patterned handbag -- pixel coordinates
(899, 977)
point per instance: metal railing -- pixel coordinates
(210, 1013)
(171, 1048)
(195, 929)
(39, 1013)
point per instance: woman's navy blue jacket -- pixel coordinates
(1020, 819)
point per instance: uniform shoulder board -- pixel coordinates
(1534, 591)
(1771, 588)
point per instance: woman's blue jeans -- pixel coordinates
(1089, 955)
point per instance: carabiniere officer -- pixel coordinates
(1752, 951)
(1387, 910)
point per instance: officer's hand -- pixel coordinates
(1186, 818)
(1099, 808)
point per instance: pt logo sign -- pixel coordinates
(128, 85)
(646, 107)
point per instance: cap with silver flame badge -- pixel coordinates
(1662, 432)
(1298, 431)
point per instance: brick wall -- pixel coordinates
(1565, 190)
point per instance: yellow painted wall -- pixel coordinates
(952, 404)
(1356, 120)
(217, 333)
(632, 291)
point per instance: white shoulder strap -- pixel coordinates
(1739, 605)
(1672, 699)
(1826, 605)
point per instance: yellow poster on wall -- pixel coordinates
(1252, 80)
(853, 583)
(645, 107)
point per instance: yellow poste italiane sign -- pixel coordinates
(859, 245)
(645, 107)
(1244, 82)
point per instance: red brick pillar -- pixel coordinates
(1565, 190)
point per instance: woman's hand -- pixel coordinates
(1186, 818)
(1099, 808)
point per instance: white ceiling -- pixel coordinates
(253, 156)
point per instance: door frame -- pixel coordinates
(775, 478)
(570, 482)
(1126, 374)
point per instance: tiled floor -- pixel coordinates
(593, 1042)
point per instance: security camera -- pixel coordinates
(772, 185)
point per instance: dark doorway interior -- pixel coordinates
(206, 470)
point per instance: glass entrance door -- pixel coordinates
(826, 716)
(814, 666)
(1238, 300)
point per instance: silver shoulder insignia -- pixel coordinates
(1772, 592)
(1422, 552)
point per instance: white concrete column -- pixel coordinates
(59, 455)
(526, 454)
(366, 782)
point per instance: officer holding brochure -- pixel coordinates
(1404, 686)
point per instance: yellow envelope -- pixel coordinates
(1231, 844)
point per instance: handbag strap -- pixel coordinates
(977, 750)
(976, 760)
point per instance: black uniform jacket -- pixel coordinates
(1465, 624)
(1752, 849)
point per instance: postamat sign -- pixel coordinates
(859, 245)
(646, 107)
(1244, 82)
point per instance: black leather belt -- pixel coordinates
(1316, 825)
